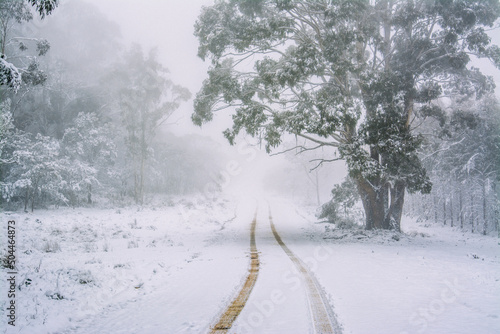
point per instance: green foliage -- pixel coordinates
(37, 172)
(345, 193)
(19, 11)
(44, 7)
(6, 128)
(355, 75)
(339, 209)
(16, 10)
(329, 211)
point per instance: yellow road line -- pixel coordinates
(229, 316)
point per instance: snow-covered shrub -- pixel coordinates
(133, 225)
(54, 295)
(51, 246)
(328, 211)
(37, 176)
(85, 277)
(105, 246)
(4, 260)
(340, 209)
(9, 75)
(133, 244)
(56, 231)
(90, 247)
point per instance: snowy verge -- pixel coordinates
(427, 279)
(77, 264)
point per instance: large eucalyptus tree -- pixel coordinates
(352, 74)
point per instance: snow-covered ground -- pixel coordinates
(174, 266)
(431, 279)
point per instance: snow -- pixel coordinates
(9, 74)
(432, 280)
(173, 267)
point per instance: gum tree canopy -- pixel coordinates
(352, 74)
(19, 11)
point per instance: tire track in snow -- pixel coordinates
(324, 319)
(234, 309)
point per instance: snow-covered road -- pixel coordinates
(281, 301)
(430, 280)
(165, 270)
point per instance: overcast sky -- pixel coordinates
(168, 25)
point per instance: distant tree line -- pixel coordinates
(464, 163)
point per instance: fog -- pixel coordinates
(167, 26)
(346, 166)
(90, 71)
(86, 65)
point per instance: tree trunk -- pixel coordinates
(496, 212)
(26, 199)
(136, 186)
(485, 213)
(143, 160)
(425, 209)
(89, 194)
(435, 209)
(373, 205)
(472, 211)
(385, 194)
(141, 181)
(461, 209)
(395, 211)
(451, 211)
(34, 194)
(444, 211)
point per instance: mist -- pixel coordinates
(209, 166)
(87, 61)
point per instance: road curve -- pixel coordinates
(324, 319)
(231, 313)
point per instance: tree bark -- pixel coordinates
(485, 211)
(89, 194)
(26, 199)
(496, 210)
(141, 182)
(143, 154)
(451, 211)
(373, 204)
(395, 211)
(435, 210)
(472, 211)
(444, 211)
(461, 209)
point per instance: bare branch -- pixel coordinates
(322, 161)
(317, 141)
